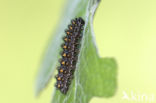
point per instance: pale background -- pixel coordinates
(125, 29)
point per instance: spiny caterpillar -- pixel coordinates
(69, 54)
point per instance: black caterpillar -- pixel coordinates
(69, 54)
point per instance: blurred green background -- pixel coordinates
(125, 29)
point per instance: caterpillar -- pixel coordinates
(69, 55)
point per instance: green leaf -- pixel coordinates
(94, 76)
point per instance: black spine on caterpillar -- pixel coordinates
(69, 54)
